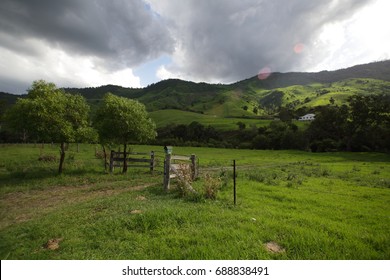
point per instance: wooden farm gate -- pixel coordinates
(134, 159)
(173, 165)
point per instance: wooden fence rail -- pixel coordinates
(117, 158)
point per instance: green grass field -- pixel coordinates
(166, 117)
(309, 206)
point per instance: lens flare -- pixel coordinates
(264, 73)
(299, 48)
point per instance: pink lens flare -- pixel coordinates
(299, 48)
(264, 73)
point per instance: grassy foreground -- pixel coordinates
(290, 205)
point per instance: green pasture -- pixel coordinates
(312, 206)
(166, 117)
(319, 94)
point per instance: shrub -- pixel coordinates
(211, 186)
(47, 158)
(99, 154)
(225, 176)
(184, 180)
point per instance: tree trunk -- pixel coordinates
(62, 157)
(105, 158)
(124, 158)
(349, 144)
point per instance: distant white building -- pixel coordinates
(307, 117)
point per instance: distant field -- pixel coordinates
(290, 205)
(165, 117)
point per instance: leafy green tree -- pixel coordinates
(285, 114)
(362, 125)
(50, 114)
(329, 126)
(3, 105)
(241, 125)
(369, 122)
(122, 121)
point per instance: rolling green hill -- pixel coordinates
(317, 94)
(176, 101)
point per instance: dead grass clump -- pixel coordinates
(53, 244)
(274, 247)
(211, 186)
(100, 155)
(47, 158)
(184, 180)
(136, 211)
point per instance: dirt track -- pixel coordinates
(22, 206)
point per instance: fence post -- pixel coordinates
(151, 162)
(167, 168)
(234, 182)
(112, 161)
(194, 168)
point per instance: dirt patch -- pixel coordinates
(140, 197)
(274, 247)
(19, 207)
(53, 244)
(136, 211)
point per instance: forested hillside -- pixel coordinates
(253, 97)
(351, 104)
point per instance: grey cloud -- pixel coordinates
(231, 40)
(13, 85)
(123, 33)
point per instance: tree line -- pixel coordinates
(49, 114)
(363, 124)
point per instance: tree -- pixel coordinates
(369, 121)
(285, 115)
(241, 125)
(329, 127)
(121, 120)
(362, 125)
(50, 114)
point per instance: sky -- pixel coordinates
(134, 43)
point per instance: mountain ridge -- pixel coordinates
(376, 70)
(251, 97)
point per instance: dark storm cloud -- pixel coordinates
(124, 33)
(88, 41)
(231, 40)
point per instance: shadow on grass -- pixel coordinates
(349, 156)
(40, 177)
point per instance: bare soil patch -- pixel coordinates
(19, 207)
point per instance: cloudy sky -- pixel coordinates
(133, 43)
